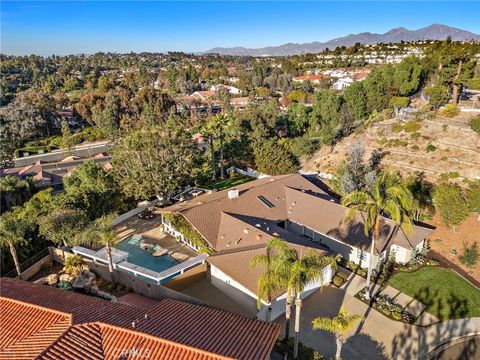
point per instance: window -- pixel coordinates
(361, 255)
(265, 202)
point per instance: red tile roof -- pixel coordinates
(65, 325)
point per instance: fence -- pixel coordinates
(29, 263)
(249, 172)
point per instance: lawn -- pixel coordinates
(446, 294)
(227, 183)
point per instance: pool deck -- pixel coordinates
(152, 233)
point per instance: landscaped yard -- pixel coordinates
(446, 294)
(228, 183)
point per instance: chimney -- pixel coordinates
(233, 194)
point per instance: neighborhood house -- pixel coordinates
(236, 224)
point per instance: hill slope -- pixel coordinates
(408, 153)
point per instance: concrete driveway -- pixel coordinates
(369, 340)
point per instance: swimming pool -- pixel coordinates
(140, 257)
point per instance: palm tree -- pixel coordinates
(12, 234)
(101, 234)
(208, 130)
(220, 122)
(270, 281)
(304, 270)
(388, 196)
(338, 326)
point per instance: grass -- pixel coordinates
(227, 183)
(446, 294)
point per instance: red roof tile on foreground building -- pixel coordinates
(41, 322)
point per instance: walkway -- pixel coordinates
(356, 283)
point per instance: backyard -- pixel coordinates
(228, 183)
(446, 294)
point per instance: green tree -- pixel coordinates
(451, 204)
(273, 159)
(62, 225)
(15, 192)
(473, 198)
(93, 190)
(154, 161)
(387, 196)
(67, 139)
(270, 282)
(407, 77)
(437, 96)
(338, 326)
(304, 270)
(12, 235)
(100, 234)
(355, 99)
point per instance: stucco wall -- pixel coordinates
(248, 299)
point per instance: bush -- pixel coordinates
(399, 101)
(431, 148)
(470, 255)
(475, 125)
(449, 110)
(396, 128)
(412, 126)
(396, 316)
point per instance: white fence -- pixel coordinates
(249, 172)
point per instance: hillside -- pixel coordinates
(454, 150)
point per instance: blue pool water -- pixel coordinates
(143, 258)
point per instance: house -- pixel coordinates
(236, 223)
(231, 89)
(312, 78)
(342, 83)
(43, 322)
(51, 174)
(230, 271)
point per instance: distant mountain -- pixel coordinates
(432, 32)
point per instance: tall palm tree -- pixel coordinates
(338, 326)
(12, 234)
(269, 281)
(388, 196)
(220, 123)
(101, 234)
(304, 270)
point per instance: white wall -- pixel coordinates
(248, 299)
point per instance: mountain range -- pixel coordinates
(432, 32)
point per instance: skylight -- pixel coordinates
(265, 202)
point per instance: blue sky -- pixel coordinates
(67, 27)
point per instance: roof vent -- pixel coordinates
(246, 231)
(259, 237)
(233, 194)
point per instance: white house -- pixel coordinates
(231, 89)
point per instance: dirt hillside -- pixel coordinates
(435, 147)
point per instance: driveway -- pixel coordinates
(376, 336)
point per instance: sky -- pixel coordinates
(70, 27)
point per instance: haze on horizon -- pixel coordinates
(62, 28)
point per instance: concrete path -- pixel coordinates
(376, 336)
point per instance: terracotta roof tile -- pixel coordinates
(68, 325)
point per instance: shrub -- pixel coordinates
(338, 281)
(470, 255)
(399, 101)
(475, 125)
(449, 110)
(74, 264)
(412, 126)
(396, 315)
(431, 148)
(396, 128)
(415, 135)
